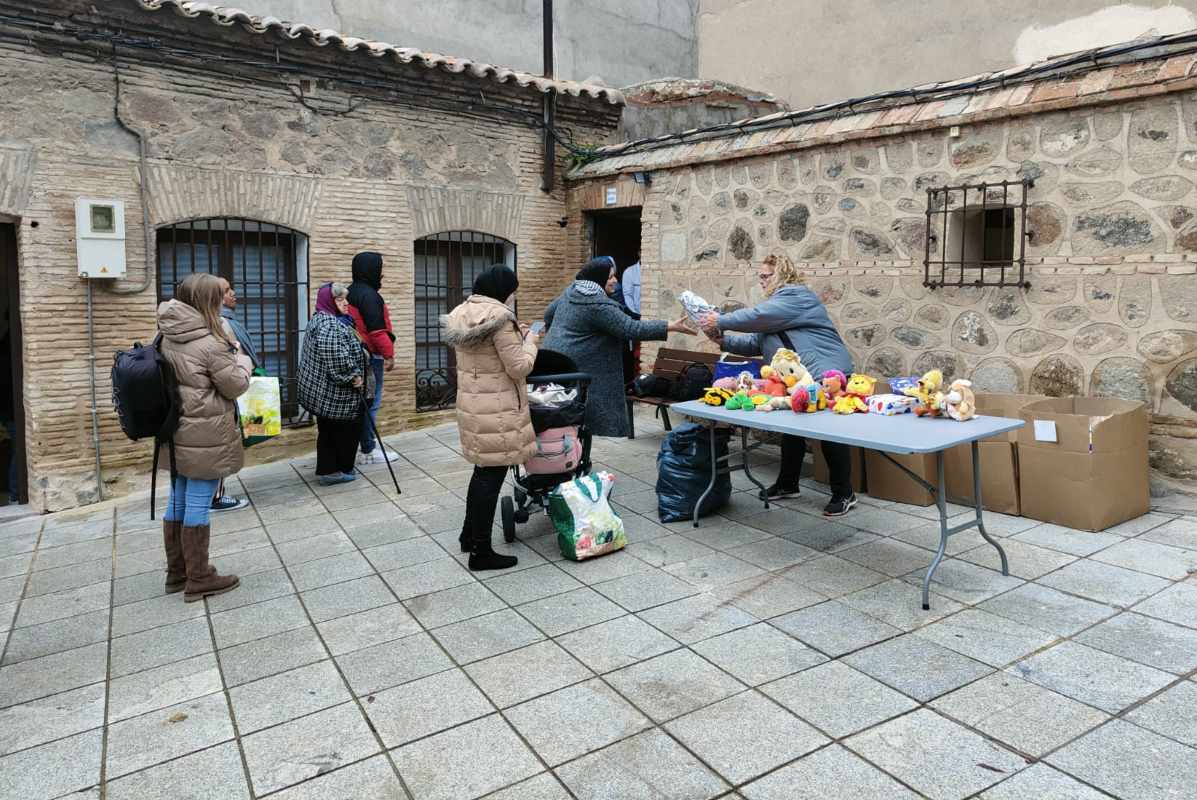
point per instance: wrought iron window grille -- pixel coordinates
(445, 267)
(976, 235)
(267, 267)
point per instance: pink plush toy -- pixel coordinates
(729, 383)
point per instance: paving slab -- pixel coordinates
(168, 685)
(1091, 676)
(1176, 604)
(367, 628)
(53, 770)
(1040, 780)
(167, 733)
(43, 720)
(745, 736)
(696, 618)
(426, 706)
(758, 654)
(831, 772)
(937, 757)
(1172, 713)
(53, 674)
(487, 756)
(616, 643)
(576, 720)
(56, 637)
(648, 766)
(212, 774)
(372, 779)
(835, 628)
(1146, 640)
(1128, 761)
(1048, 609)
(673, 684)
(309, 746)
(284, 697)
(917, 667)
(392, 663)
(838, 699)
(571, 611)
(271, 655)
(1024, 716)
(833, 576)
(986, 637)
(1105, 583)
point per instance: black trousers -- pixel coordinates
(839, 464)
(483, 495)
(336, 444)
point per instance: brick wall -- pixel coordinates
(240, 145)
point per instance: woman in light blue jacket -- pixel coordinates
(791, 316)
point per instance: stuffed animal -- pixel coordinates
(716, 396)
(740, 401)
(928, 394)
(729, 383)
(855, 397)
(959, 403)
(786, 368)
(808, 399)
(834, 383)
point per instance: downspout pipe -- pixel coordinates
(95, 412)
(548, 177)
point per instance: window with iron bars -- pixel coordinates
(267, 267)
(445, 267)
(977, 234)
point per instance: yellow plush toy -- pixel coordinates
(855, 398)
(928, 394)
(787, 368)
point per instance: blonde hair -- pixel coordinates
(202, 292)
(339, 290)
(784, 273)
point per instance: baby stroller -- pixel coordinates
(568, 410)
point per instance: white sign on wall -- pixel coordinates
(612, 196)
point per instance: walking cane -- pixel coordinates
(378, 438)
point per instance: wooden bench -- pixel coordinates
(669, 364)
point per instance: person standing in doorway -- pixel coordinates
(372, 319)
(228, 309)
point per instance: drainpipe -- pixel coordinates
(95, 414)
(549, 100)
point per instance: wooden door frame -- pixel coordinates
(12, 279)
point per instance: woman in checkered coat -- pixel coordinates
(332, 370)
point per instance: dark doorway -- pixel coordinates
(616, 233)
(12, 405)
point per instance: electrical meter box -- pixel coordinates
(100, 237)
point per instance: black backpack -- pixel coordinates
(692, 382)
(145, 395)
(652, 386)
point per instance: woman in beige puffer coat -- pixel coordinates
(211, 373)
(494, 357)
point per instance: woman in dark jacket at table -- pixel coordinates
(592, 329)
(791, 311)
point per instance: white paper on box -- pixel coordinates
(1045, 430)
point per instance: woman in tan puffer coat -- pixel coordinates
(494, 357)
(211, 373)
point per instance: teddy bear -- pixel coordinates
(959, 403)
(807, 399)
(928, 394)
(785, 371)
(856, 394)
(834, 383)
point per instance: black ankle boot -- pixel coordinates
(484, 557)
(464, 540)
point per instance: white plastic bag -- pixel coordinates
(586, 524)
(551, 395)
(695, 306)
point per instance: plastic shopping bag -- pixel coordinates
(731, 366)
(695, 306)
(260, 410)
(586, 524)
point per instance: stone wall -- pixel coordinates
(374, 177)
(1112, 306)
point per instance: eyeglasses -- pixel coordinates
(764, 276)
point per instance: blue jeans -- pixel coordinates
(367, 442)
(190, 500)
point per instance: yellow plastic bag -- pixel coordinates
(261, 411)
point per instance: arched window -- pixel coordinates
(267, 266)
(446, 264)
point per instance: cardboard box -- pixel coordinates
(887, 482)
(1094, 474)
(999, 458)
(820, 466)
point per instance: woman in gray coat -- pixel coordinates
(793, 317)
(592, 329)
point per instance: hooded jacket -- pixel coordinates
(493, 361)
(370, 314)
(796, 311)
(211, 376)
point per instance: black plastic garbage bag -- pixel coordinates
(684, 471)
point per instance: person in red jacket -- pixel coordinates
(372, 319)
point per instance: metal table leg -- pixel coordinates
(748, 472)
(714, 475)
(942, 503)
(977, 500)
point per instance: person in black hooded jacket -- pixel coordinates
(372, 319)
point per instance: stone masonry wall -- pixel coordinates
(1112, 307)
(375, 178)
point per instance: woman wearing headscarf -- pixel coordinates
(593, 330)
(791, 316)
(494, 356)
(332, 372)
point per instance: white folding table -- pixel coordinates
(901, 434)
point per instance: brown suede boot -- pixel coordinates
(176, 567)
(202, 578)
